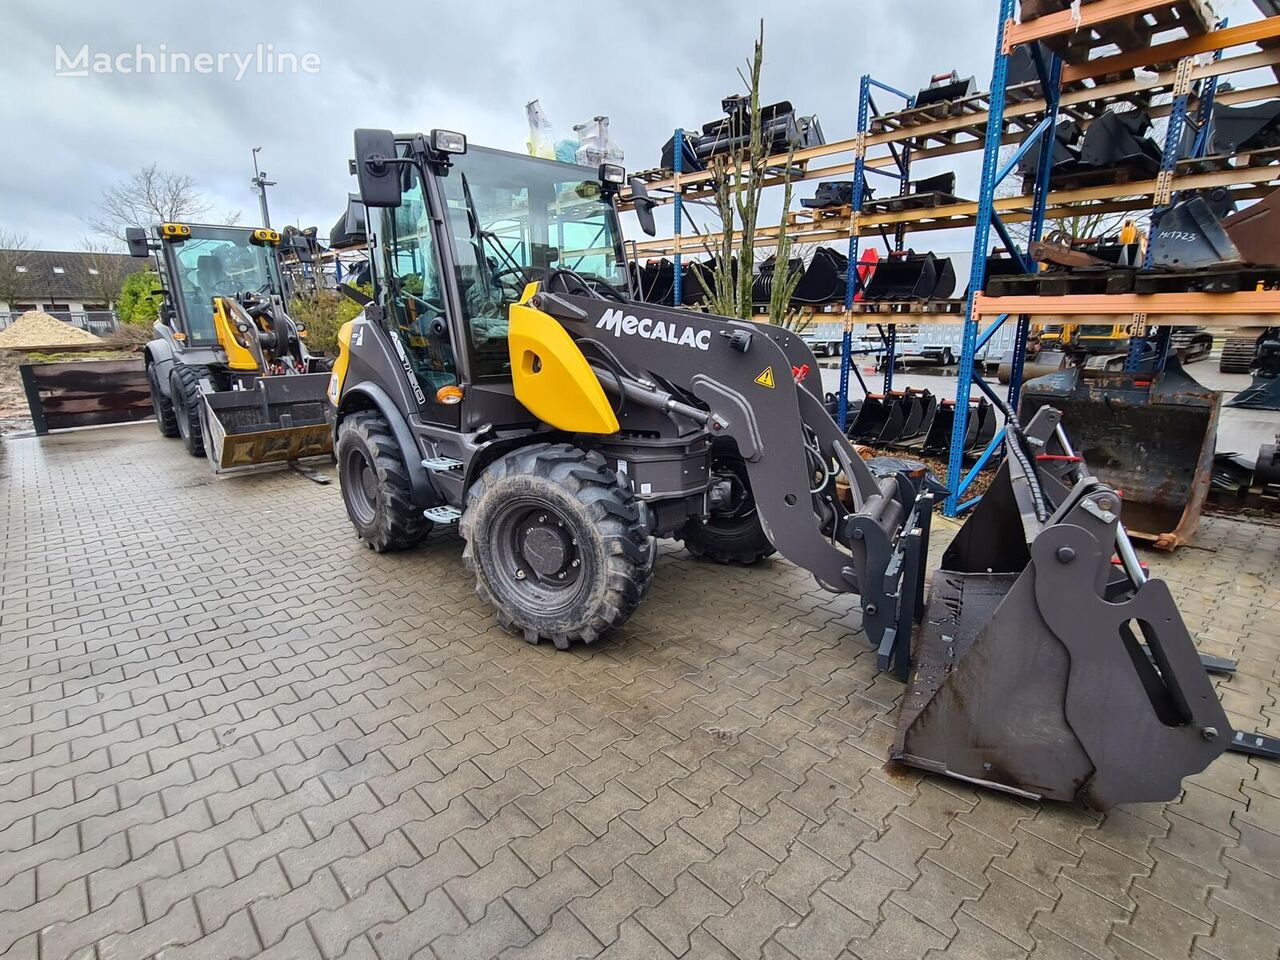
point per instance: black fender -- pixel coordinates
(159, 353)
(366, 395)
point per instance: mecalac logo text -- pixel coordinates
(668, 331)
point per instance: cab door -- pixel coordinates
(415, 305)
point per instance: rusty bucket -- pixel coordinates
(1149, 436)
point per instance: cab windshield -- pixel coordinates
(219, 262)
(512, 218)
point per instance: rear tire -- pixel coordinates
(733, 533)
(558, 546)
(166, 419)
(375, 484)
(184, 389)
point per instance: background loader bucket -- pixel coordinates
(1034, 674)
(1149, 436)
(283, 418)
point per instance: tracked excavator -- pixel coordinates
(229, 369)
(505, 378)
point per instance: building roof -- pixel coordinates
(65, 274)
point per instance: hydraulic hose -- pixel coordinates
(1013, 433)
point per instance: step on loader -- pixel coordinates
(229, 370)
(505, 378)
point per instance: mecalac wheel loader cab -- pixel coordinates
(229, 370)
(506, 378)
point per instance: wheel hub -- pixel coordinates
(546, 547)
(368, 482)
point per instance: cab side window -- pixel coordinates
(416, 308)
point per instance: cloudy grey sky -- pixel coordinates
(469, 65)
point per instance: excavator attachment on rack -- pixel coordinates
(1045, 668)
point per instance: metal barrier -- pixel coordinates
(97, 322)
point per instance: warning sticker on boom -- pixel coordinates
(766, 378)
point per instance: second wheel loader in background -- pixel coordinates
(229, 370)
(506, 378)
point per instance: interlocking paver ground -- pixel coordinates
(228, 730)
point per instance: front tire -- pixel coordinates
(559, 548)
(732, 532)
(184, 389)
(375, 484)
(166, 419)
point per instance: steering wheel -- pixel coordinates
(575, 284)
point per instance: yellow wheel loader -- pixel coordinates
(506, 378)
(229, 370)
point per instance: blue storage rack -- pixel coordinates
(1049, 68)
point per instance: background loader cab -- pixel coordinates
(229, 371)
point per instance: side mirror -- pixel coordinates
(136, 238)
(643, 206)
(376, 168)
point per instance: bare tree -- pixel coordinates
(739, 179)
(15, 251)
(107, 270)
(151, 195)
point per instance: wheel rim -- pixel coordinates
(360, 486)
(535, 554)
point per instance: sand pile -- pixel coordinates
(37, 329)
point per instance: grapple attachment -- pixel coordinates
(282, 418)
(1043, 667)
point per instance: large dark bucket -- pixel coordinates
(1150, 436)
(870, 420)
(1042, 669)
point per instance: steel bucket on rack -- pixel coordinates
(870, 419)
(904, 277)
(937, 437)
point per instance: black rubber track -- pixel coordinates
(613, 542)
(397, 522)
(1237, 354)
